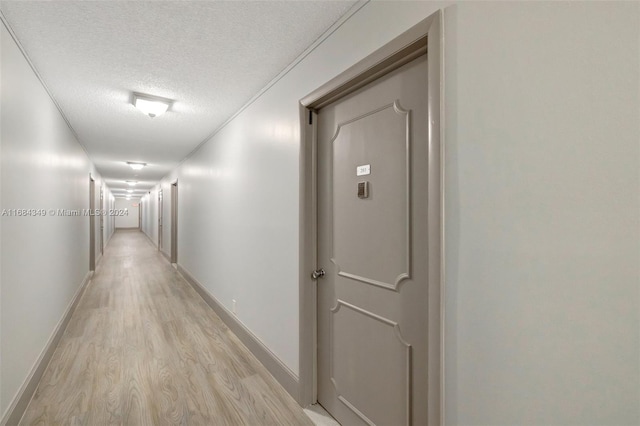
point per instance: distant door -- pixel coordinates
(174, 222)
(92, 224)
(101, 221)
(160, 219)
(372, 243)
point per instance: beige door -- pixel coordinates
(372, 244)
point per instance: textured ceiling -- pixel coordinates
(210, 57)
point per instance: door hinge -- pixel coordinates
(310, 117)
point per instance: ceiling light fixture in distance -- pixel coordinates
(153, 106)
(132, 182)
(136, 166)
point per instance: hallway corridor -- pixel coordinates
(143, 348)
(369, 212)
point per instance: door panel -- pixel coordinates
(363, 227)
(372, 243)
(352, 363)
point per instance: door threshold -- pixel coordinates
(319, 416)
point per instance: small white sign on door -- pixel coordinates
(363, 170)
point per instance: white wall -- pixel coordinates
(43, 259)
(149, 204)
(150, 213)
(109, 220)
(542, 186)
(542, 213)
(130, 220)
(166, 215)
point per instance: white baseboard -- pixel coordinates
(18, 406)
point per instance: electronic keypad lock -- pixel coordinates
(363, 189)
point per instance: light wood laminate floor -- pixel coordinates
(143, 348)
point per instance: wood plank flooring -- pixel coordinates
(143, 348)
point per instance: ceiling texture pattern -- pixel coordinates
(210, 57)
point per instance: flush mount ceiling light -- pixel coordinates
(132, 182)
(153, 106)
(129, 190)
(136, 166)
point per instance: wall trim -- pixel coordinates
(166, 256)
(23, 397)
(272, 363)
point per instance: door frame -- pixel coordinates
(174, 222)
(160, 218)
(425, 37)
(101, 220)
(92, 223)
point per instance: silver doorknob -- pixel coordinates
(318, 273)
